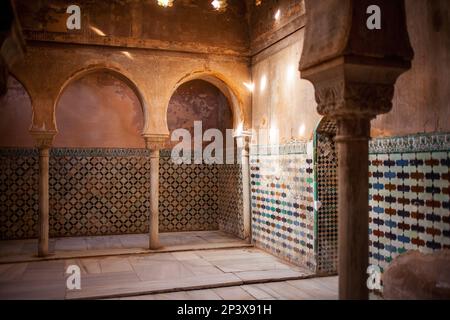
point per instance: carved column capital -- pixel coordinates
(43, 139)
(354, 68)
(338, 98)
(243, 139)
(155, 141)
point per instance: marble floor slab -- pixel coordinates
(280, 290)
(76, 247)
(153, 273)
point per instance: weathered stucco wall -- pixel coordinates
(99, 110)
(266, 28)
(153, 75)
(15, 116)
(422, 95)
(282, 101)
(141, 23)
(198, 100)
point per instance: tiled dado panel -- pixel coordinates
(409, 196)
(282, 198)
(230, 201)
(188, 196)
(107, 191)
(99, 191)
(326, 195)
(195, 197)
(19, 174)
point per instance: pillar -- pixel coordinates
(354, 69)
(243, 140)
(353, 207)
(154, 144)
(44, 141)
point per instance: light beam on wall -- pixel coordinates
(301, 130)
(250, 86)
(97, 31)
(240, 128)
(290, 73)
(277, 15)
(273, 134)
(165, 3)
(219, 5)
(263, 84)
(128, 55)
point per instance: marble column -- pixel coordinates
(44, 141)
(353, 206)
(154, 144)
(354, 73)
(242, 141)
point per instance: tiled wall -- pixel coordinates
(18, 193)
(307, 212)
(294, 199)
(409, 196)
(107, 191)
(200, 197)
(99, 191)
(326, 197)
(282, 199)
(230, 201)
(187, 196)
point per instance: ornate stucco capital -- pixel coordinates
(354, 69)
(243, 134)
(155, 141)
(43, 139)
(243, 138)
(341, 98)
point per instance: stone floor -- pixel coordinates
(325, 288)
(75, 247)
(225, 270)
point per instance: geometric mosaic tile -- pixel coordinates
(188, 199)
(327, 217)
(230, 200)
(408, 200)
(99, 192)
(18, 193)
(107, 191)
(282, 199)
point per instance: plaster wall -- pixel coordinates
(198, 100)
(421, 94)
(140, 23)
(284, 106)
(15, 116)
(99, 111)
(421, 101)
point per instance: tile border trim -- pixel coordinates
(424, 142)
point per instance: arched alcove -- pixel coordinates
(15, 116)
(99, 110)
(199, 100)
(220, 83)
(99, 167)
(200, 196)
(19, 165)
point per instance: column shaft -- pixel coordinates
(43, 202)
(353, 198)
(245, 163)
(154, 201)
